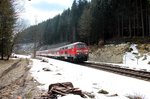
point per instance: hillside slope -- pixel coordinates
(115, 53)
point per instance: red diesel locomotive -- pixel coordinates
(77, 51)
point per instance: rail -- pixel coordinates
(139, 74)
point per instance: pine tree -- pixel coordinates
(74, 18)
(85, 26)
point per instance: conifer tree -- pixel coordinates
(7, 21)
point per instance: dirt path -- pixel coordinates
(15, 80)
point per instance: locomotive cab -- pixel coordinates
(81, 52)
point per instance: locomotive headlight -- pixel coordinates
(85, 52)
(78, 51)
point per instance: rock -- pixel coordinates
(44, 60)
(113, 95)
(58, 74)
(46, 69)
(103, 91)
(108, 53)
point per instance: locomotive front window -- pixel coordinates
(81, 46)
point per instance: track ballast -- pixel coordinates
(139, 74)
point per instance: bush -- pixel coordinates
(103, 91)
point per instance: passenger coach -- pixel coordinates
(77, 51)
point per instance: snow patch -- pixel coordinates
(135, 60)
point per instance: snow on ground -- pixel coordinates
(87, 79)
(21, 56)
(92, 80)
(135, 60)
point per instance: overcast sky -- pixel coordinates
(36, 11)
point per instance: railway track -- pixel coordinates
(139, 74)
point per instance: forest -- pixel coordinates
(92, 22)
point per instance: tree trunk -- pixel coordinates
(137, 19)
(147, 21)
(130, 19)
(134, 26)
(142, 19)
(8, 56)
(89, 39)
(118, 27)
(130, 31)
(149, 25)
(122, 27)
(11, 49)
(74, 35)
(2, 49)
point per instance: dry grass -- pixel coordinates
(3, 62)
(143, 48)
(29, 95)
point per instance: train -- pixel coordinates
(75, 52)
